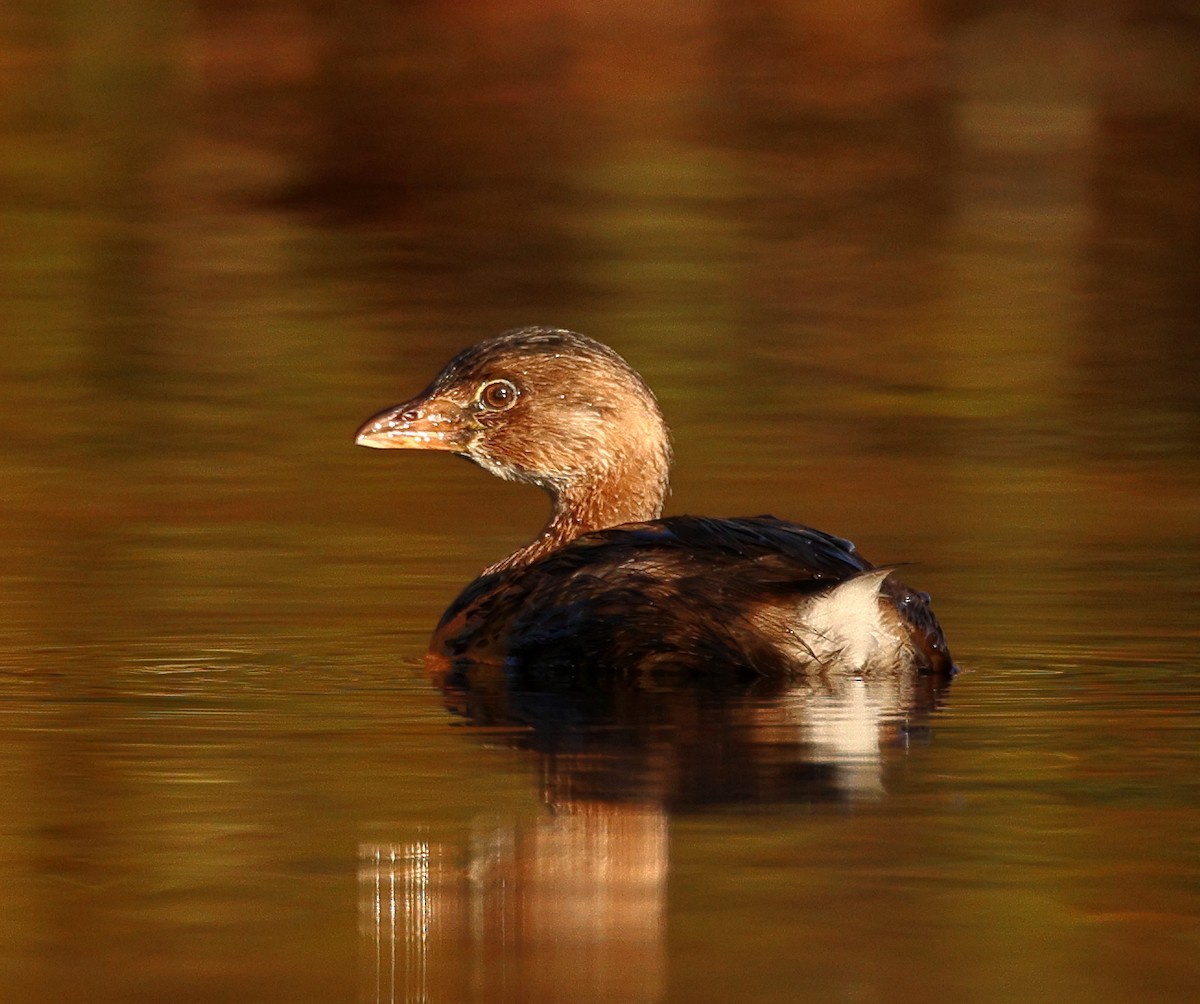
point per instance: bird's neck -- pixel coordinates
(629, 490)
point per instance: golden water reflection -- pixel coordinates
(922, 274)
(572, 903)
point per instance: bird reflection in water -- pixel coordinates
(567, 908)
(571, 905)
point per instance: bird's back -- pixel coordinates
(691, 594)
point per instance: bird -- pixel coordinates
(612, 587)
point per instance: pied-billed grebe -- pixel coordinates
(609, 581)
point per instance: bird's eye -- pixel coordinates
(498, 395)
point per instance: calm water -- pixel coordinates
(923, 276)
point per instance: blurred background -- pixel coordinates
(880, 258)
(919, 272)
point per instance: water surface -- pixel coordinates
(923, 278)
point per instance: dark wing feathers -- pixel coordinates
(665, 587)
(797, 551)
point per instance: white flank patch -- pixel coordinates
(846, 626)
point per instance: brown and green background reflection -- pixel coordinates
(924, 274)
